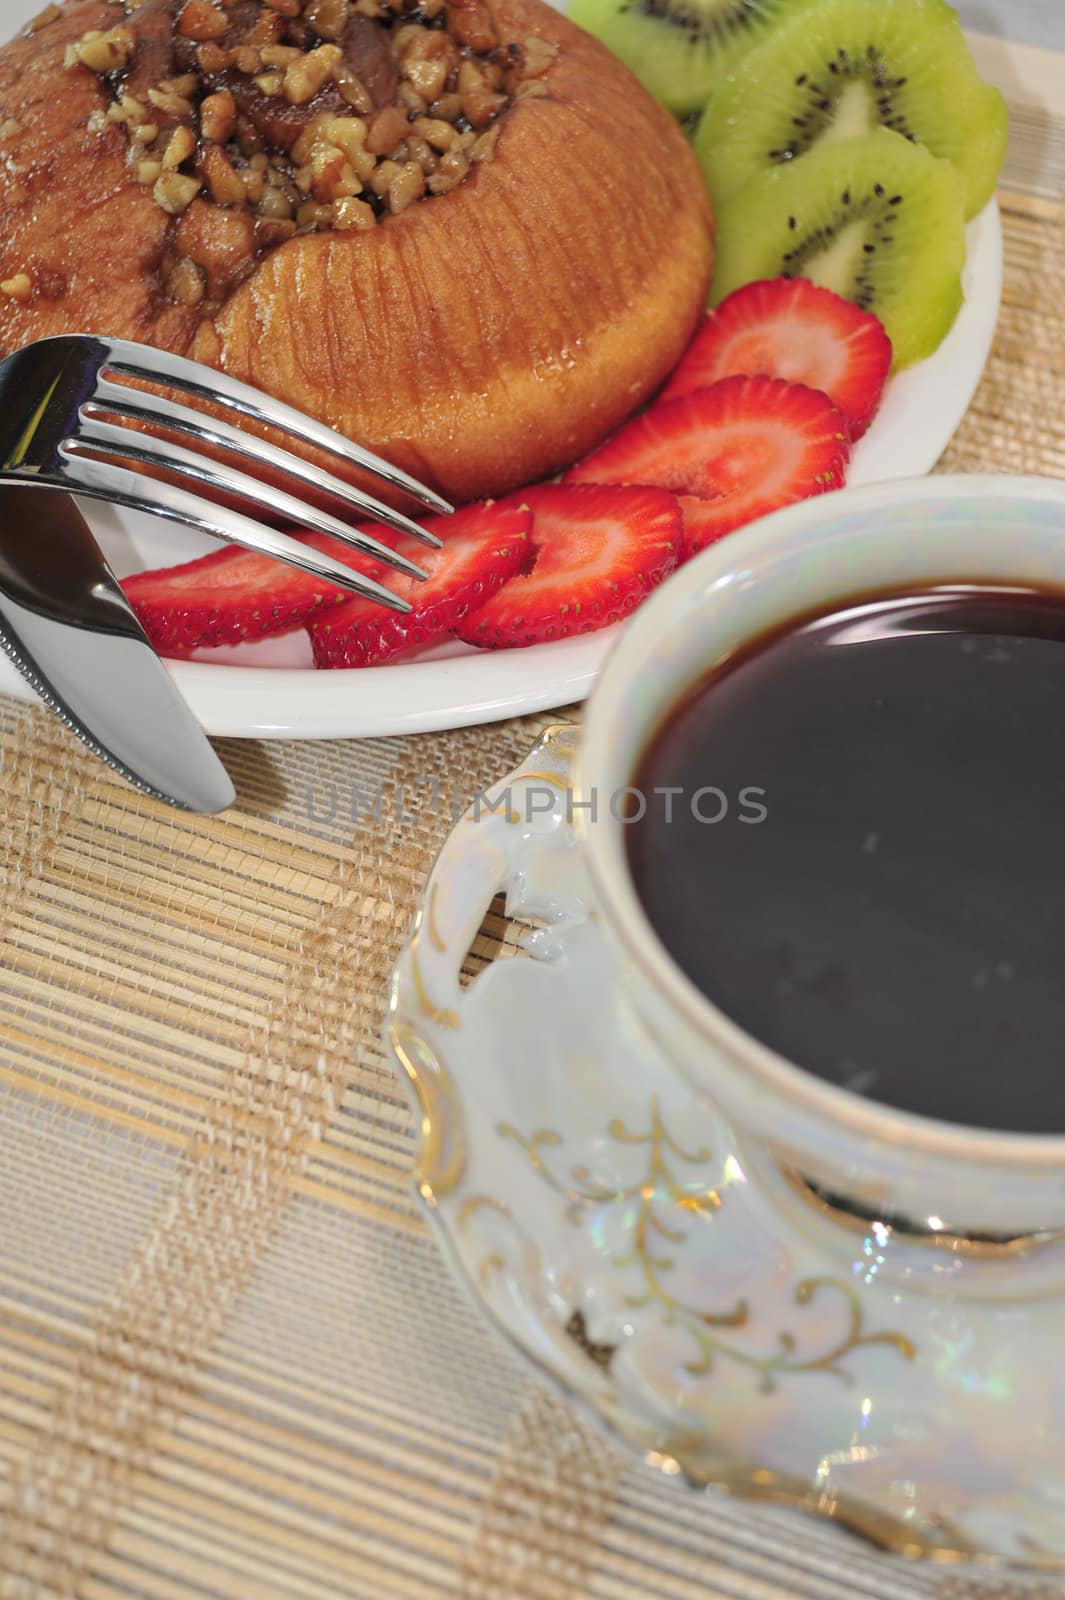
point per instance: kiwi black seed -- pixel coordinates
(876, 219)
(838, 70)
(679, 49)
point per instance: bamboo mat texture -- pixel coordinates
(232, 1362)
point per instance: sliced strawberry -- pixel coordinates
(232, 595)
(751, 445)
(788, 328)
(707, 521)
(598, 552)
(484, 545)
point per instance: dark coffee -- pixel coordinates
(895, 923)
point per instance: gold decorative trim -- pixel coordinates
(976, 1247)
(441, 1164)
(557, 780)
(942, 1542)
(444, 1017)
(879, 1528)
(659, 1190)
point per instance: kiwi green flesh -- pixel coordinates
(841, 69)
(876, 219)
(680, 49)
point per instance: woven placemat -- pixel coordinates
(232, 1363)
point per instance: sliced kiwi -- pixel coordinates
(679, 49)
(877, 219)
(840, 68)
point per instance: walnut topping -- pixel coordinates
(328, 18)
(102, 52)
(291, 116)
(186, 282)
(175, 192)
(309, 73)
(352, 213)
(218, 117)
(480, 103)
(201, 20)
(181, 146)
(20, 287)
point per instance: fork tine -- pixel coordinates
(112, 438)
(102, 480)
(160, 366)
(136, 405)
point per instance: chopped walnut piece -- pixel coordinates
(354, 92)
(412, 102)
(427, 57)
(201, 20)
(311, 72)
(352, 213)
(332, 175)
(186, 283)
(383, 175)
(223, 180)
(212, 59)
(175, 192)
(181, 146)
(448, 108)
(286, 8)
(218, 117)
(279, 55)
(269, 29)
(451, 170)
(254, 185)
(532, 89)
(328, 18)
(275, 204)
(539, 54)
(484, 148)
(127, 108)
(419, 151)
(480, 103)
(386, 129)
(148, 171)
(471, 24)
(20, 287)
(247, 58)
(313, 215)
(406, 186)
(440, 134)
(269, 82)
(349, 134)
(170, 103)
(102, 52)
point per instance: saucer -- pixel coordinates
(707, 1306)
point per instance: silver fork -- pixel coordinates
(59, 399)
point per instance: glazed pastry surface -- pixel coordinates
(483, 333)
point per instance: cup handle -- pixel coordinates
(486, 852)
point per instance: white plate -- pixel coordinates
(269, 690)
